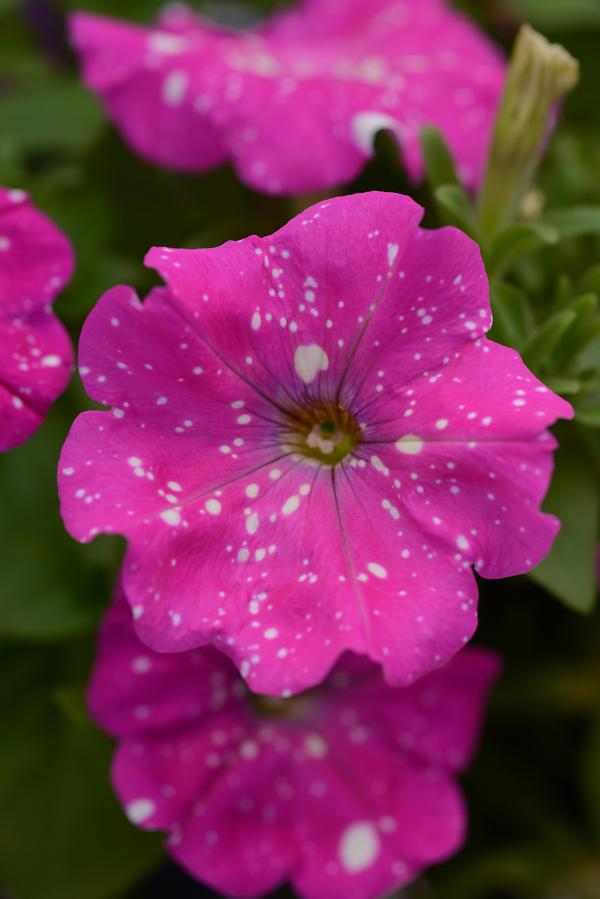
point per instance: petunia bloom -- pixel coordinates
(312, 444)
(347, 791)
(294, 103)
(36, 358)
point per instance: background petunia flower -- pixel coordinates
(294, 103)
(312, 445)
(346, 791)
(36, 358)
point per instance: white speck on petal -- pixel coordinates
(309, 361)
(252, 523)
(161, 42)
(315, 746)
(377, 570)
(174, 88)
(140, 810)
(409, 444)
(171, 516)
(359, 847)
(365, 126)
(51, 361)
(290, 505)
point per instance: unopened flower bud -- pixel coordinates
(540, 75)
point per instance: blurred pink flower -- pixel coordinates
(312, 444)
(295, 102)
(36, 358)
(346, 791)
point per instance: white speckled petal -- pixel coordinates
(36, 358)
(295, 102)
(347, 791)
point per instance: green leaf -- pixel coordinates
(564, 386)
(385, 147)
(454, 208)
(71, 701)
(589, 415)
(590, 281)
(61, 116)
(439, 164)
(584, 329)
(513, 318)
(550, 15)
(515, 242)
(63, 834)
(542, 344)
(141, 10)
(563, 292)
(569, 571)
(51, 587)
(576, 221)
(590, 774)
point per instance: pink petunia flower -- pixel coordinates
(312, 444)
(294, 103)
(36, 358)
(346, 791)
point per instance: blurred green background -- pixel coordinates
(534, 790)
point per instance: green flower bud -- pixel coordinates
(540, 75)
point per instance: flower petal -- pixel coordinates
(295, 102)
(134, 690)
(474, 460)
(151, 83)
(236, 534)
(36, 261)
(346, 791)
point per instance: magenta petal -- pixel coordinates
(193, 684)
(347, 791)
(295, 103)
(148, 81)
(438, 718)
(249, 852)
(36, 261)
(362, 846)
(237, 535)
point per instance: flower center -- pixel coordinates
(276, 707)
(326, 433)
